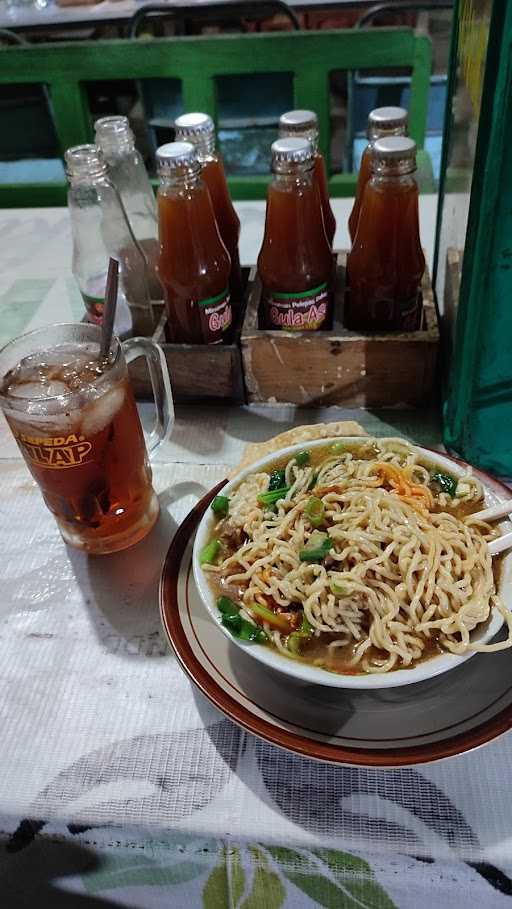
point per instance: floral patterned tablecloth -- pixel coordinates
(120, 785)
(120, 781)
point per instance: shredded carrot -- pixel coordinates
(396, 477)
(390, 475)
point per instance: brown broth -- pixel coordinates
(316, 651)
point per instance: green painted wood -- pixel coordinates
(198, 61)
(478, 407)
(71, 114)
(32, 195)
(200, 94)
(422, 68)
(311, 92)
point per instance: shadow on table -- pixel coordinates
(120, 591)
(32, 875)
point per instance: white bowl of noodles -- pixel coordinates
(361, 568)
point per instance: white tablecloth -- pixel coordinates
(120, 785)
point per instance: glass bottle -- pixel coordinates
(100, 229)
(295, 260)
(304, 124)
(194, 265)
(128, 174)
(386, 263)
(199, 129)
(383, 121)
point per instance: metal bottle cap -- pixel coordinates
(176, 156)
(286, 153)
(388, 117)
(297, 121)
(387, 121)
(193, 126)
(396, 153)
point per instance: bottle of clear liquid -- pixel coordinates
(199, 129)
(128, 174)
(100, 229)
(383, 121)
(386, 263)
(304, 124)
(194, 264)
(295, 260)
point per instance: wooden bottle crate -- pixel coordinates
(339, 366)
(198, 371)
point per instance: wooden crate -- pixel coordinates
(340, 366)
(198, 371)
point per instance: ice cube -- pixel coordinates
(38, 422)
(38, 390)
(55, 388)
(100, 412)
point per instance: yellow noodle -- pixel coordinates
(402, 573)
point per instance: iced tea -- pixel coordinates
(76, 423)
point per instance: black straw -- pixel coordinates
(109, 308)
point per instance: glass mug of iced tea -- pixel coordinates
(75, 420)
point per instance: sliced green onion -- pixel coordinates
(238, 626)
(302, 458)
(447, 483)
(337, 447)
(250, 632)
(314, 509)
(306, 628)
(277, 480)
(227, 606)
(233, 622)
(220, 506)
(210, 552)
(270, 498)
(294, 642)
(338, 589)
(318, 545)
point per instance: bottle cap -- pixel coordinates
(396, 153)
(191, 127)
(113, 133)
(297, 122)
(176, 156)
(384, 120)
(286, 153)
(85, 161)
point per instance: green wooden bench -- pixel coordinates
(197, 62)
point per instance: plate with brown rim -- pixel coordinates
(445, 716)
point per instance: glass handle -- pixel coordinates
(134, 348)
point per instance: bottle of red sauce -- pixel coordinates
(295, 260)
(194, 265)
(383, 121)
(386, 263)
(199, 129)
(304, 124)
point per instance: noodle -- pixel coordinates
(404, 574)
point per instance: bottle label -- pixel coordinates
(306, 311)
(216, 317)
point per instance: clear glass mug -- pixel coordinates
(85, 447)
